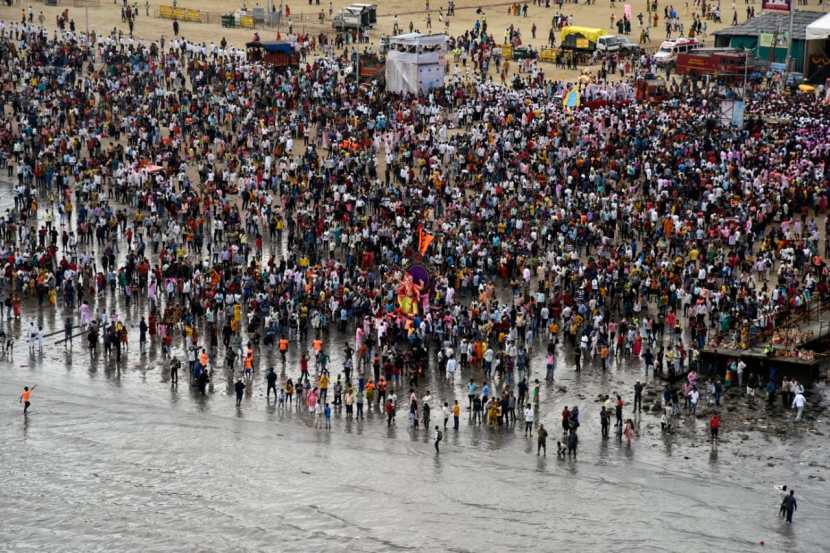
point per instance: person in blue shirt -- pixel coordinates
(471, 393)
(327, 415)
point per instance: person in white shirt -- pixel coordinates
(740, 370)
(451, 366)
(798, 404)
(528, 420)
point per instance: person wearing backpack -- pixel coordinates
(438, 436)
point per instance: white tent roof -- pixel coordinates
(819, 29)
(418, 39)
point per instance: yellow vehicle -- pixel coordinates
(580, 38)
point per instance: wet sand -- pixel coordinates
(121, 463)
(115, 460)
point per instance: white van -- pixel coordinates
(669, 49)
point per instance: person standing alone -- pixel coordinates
(25, 399)
(638, 397)
(271, 378)
(240, 391)
(789, 505)
(528, 420)
(542, 441)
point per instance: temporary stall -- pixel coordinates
(415, 63)
(765, 34)
(819, 29)
(817, 60)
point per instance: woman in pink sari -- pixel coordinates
(311, 400)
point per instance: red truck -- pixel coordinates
(725, 63)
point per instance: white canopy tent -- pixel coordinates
(819, 29)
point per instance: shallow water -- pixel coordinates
(114, 460)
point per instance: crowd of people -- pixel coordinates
(242, 212)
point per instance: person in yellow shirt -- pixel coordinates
(693, 254)
(456, 415)
(324, 386)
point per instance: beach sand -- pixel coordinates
(304, 18)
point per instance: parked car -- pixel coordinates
(617, 43)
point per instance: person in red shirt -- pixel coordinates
(714, 428)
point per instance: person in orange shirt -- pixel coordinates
(283, 346)
(317, 345)
(370, 393)
(249, 364)
(25, 398)
(203, 359)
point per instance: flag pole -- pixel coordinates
(788, 59)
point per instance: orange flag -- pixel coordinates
(424, 240)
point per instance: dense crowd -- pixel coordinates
(249, 210)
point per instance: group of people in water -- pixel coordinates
(477, 231)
